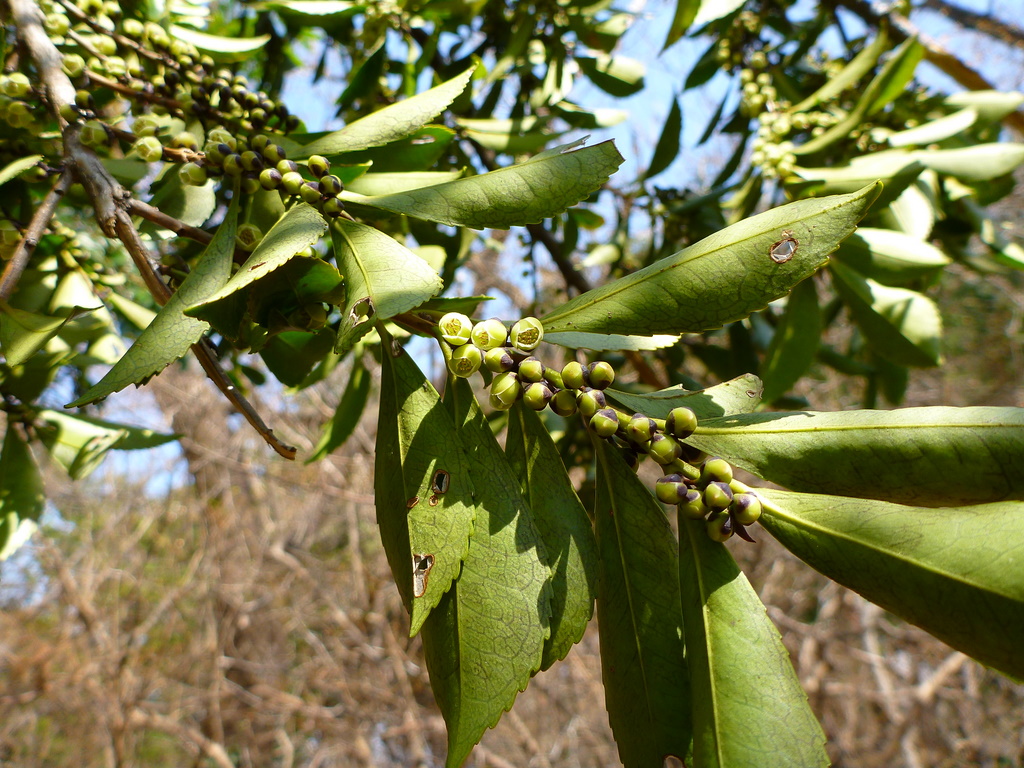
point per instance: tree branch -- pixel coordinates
(986, 24)
(19, 259)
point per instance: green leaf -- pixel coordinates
(720, 279)
(80, 443)
(979, 162)
(890, 257)
(346, 415)
(515, 137)
(848, 76)
(301, 226)
(384, 278)
(619, 76)
(391, 123)
(189, 204)
(794, 344)
(416, 440)
(22, 496)
(525, 193)
(712, 10)
(896, 168)
(952, 572)
(993, 106)
(1004, 249)
(221, 48)
(416, 152)
(667, 148)
(740, 395)
(172, 333)
(646, 682)
(17, 167)
(682, 19)
(913, 212)
(291, 354)
(23, 333)
(902, 326)
(748, 705)
(564, 527)
(603, 342)
(928, 456)
(486, 637)
(395, 183)
(314, 8)
(934, 130)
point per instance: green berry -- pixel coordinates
(715, 470)
(149, 149)
(681, 422)
(605, 422)
(274, 153)
(193, 174)
(292, 182)
(15, 85)
(259, 142)
(719, 526)
(564, 403)
(692, 506)
(531, 369)
(456, 328)
(745, 508)
(331, 185)
(537, 395)
(499, 360)
(465, 361)
(232, 165)
(57, 24)
(251, 161)
(670, 489)
(9, 234)
(73, 65)
(663, 449)
(250, 184)
(505, 391)
(310, 192)
(133, 28)
(288, 166)
(527, 334)
(590, 402)
(718, 496)
(601, 375)
(489, 334)
(248, 237)
(574, 375)
(333, 207)
(94, 133)
(318, 165)
(185, 140)
(640, 428)
(221, 135)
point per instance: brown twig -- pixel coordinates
(213, 750)
(984, 23)
(40, 219)
(110, 199)
(156, 216)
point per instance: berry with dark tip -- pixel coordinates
(270, 178)
(640, 428)
(715, 470)
(505, 390)
(670, 489)
(718, 495)
(500, 360)
(745, 508)
(590, 402)
(574, 375)
(318, 165)
(681, 422)
(663, 449)
(719, 526)
(537, 395)
(692, 505)
(605, 422)
(564, 403)
(531, 369)
(601, 375)
(310, 192)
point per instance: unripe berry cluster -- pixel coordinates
(579, 388)
(711, 497)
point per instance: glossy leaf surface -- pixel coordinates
(795, 342)
(647, 685)
(748, 705)
(720, 279)
(22, 497)
(929, 456)
(740, 395)
(954, 572)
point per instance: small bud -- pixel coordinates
(465, 360)
(248, 237)
(252, 162)
(681, 422)
(318, 165)
(718, 496)
(94, 133)
(274, 153)
(287, 166)
(670, 489)
(590, 402)
(640, 428)
(575, 376)
(605, 422)
(333, 207)
(250, 184)
(232, 165)
(719, 526)
(564, 403)
(73, 65)
(527, 334)
(149, 149)
(192, 174)
(270, 178)
(185, 140)
(537, 395)
(259, 142)
(505, 391)
(292, 182)
(715, 470)
(331, 185)
(456, 328)
(488, 334)
(310, 192)
(601, 375)
(531, 369)
(692, 505)
(15, 85)
(663, 449)
(745, 508)
(500, 360)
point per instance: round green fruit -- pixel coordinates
(456, 328)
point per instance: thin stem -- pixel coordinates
(156, 216)
(40, 219)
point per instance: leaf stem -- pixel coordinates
(23, 251)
